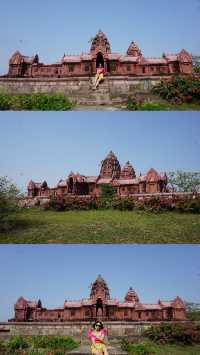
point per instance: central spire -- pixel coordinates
(110, 167)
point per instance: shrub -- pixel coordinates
(174, 333)
(141, 349)
(179, 89)
(123, 204)
(39, 101)
(132, 104)
(5, 101)
(55, 343)
(190, 205)
(17, 343)
(2, 347)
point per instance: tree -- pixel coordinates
(107, 191)
(9, 198)
(183, 181)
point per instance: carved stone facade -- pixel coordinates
(123, 179)
(133, 63)
(101, 306)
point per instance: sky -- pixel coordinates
(55, 273)
(51, 28)
(49, 145)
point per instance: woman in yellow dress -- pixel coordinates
(99, 75)
(97, 336)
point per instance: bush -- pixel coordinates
(55, 343)
(5, 101)
(173, 334)
(39, 101)
(132, 104)
(179, 89)
(8, 204)
(141, 349)
(123, 204)
(190, 205)
(17, 343)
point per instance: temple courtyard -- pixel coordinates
(103, 226)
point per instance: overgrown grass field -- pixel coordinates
(155, 349)
(103, 226)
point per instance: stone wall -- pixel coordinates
(114, 90)
(78, 330)
(168, 198)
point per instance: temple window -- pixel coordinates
(128, 67)
(73, 313)
(87, 67)
(143, 70)
(126, 313)
(139, 315)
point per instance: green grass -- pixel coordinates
(163, 105)
(166, 350)
(109, 226)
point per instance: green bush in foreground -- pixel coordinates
(144, 348)
(38, 101)
(37, 345)
(179, 89)
(174, 334)
(53, 343)
(134, 105)
(17, 343)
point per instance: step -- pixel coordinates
(86, 350)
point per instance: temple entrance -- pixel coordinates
(170, 314)
(99, 60)
(70, 185)
(24, 68)
(82, 188)
(99, 308)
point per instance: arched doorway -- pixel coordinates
(99, 60)
(70, 185)
(99, 308)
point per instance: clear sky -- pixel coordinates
(55, 273)
(51, 28)
(49, 145)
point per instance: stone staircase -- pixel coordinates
(99, 96)
(86, 350)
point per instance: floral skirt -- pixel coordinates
(98, 347)
(100, 77)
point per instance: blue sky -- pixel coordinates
(51, 28)
(49, 145)
(55, 273)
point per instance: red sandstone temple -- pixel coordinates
(123, 179)
(133, 63)
(100, 305)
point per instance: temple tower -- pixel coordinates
(127, 172)
(131, 296)
(100, 48)
(110, 167)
